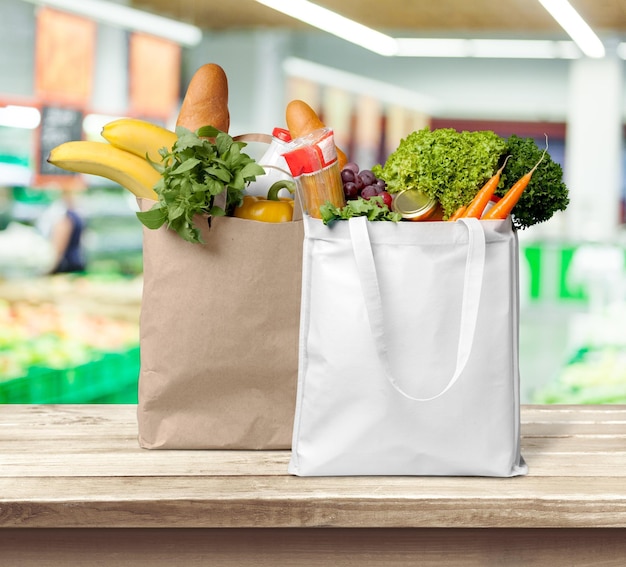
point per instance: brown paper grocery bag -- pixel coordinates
(219, 336)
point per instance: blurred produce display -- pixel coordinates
(593, 376)
(596, 371)
(66, 339)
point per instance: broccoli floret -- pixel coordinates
(545, 194)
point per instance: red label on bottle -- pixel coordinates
(313, 157)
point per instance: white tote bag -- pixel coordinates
(408, 354)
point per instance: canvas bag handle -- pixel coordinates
(472, 288)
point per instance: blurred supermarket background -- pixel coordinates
(74, 337)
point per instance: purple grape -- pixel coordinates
(347, 175)
(358, 182)
(382, 184)
(352, 167)
(369, 191)
(350, 190)
(367, 177)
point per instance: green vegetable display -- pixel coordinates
(595, 375)
(447, 165)
(373, 208)
(200, 166)
(545, 194)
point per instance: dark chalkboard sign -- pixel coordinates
(58, 125)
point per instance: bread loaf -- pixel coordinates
(206, 100)
(302, 120)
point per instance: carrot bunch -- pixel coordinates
(505, 205)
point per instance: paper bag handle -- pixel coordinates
(472, 288)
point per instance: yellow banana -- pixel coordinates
(138, 137)
(105, 160)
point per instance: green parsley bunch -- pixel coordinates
(200, 166)
(373, 208)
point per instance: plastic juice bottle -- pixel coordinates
(274, 163)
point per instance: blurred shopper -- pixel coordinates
(66, 228)
(5, 207)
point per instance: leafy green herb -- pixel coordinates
(200, 166)
(446, 165)
(374, 209)
(545, 194)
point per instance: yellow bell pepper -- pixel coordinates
(270, 209)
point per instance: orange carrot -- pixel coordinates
(504, 206)
(479, 202)
(460, 212)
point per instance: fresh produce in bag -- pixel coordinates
(268, 209)
(201, 382)
(452, 167)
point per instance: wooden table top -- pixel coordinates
(80, 466)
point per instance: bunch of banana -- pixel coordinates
(122, 158)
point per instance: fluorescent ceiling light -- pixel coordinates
(15, 116)
(433, 47)
(124, 17)
(382, 44)
(357, 84)
(488, 48)
(93, 123)
(570, 20)
(335, 24)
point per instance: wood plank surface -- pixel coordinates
(80, 466)
(311, 548)
(223, 502)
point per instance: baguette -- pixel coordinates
(302, 120)
(206, 100)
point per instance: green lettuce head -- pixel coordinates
(447, 165)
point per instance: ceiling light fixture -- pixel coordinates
(571, 21)
(335, 24)
(124, 17)
(17, 116)
(375, 41)
(93, 123)
(487, 48)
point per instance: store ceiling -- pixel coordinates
(441, 17)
